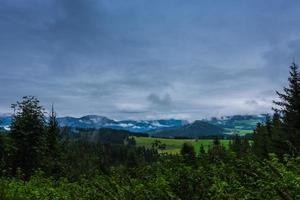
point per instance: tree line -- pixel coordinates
(36, 142)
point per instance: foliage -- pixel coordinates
(28, 135)
(188, 153)
(170, 178)
(53, 145)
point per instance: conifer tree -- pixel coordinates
(217, 152)
(28, 135)
(278, 144)
(236, 145)
(261, 140)
(289, 107)
(53, 143)
(245, 146)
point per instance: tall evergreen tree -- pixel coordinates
(260, 138)
(53, 143)
(28, 135)
(217, 152)
(289, 108)
(278, 143)
(236, 144)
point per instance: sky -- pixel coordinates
(147, 59)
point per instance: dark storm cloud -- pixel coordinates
(147, 59)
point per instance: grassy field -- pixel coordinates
(174, 145)
(239, 131)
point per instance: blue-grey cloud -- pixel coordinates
(163, 103)
(147, 59)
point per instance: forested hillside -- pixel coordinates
(40, 160)
(196, 129)
(239, 124)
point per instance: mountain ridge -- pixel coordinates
(196, 129)
(97, 121)
(235, 124)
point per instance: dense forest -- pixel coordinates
(40, 160)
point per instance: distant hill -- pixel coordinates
(238, 124)
(104, 135)
(194, 130)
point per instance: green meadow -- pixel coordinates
(238, 130)
(174, 145)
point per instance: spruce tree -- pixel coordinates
(289, 108)
(53, 143)
(236, 145)
(217, 152)
(28, 135)
(261, 138)
(278, 144)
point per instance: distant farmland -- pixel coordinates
(174, 145)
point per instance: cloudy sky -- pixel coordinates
(142, 59)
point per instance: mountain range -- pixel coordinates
(95, 121)
(237, 124)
